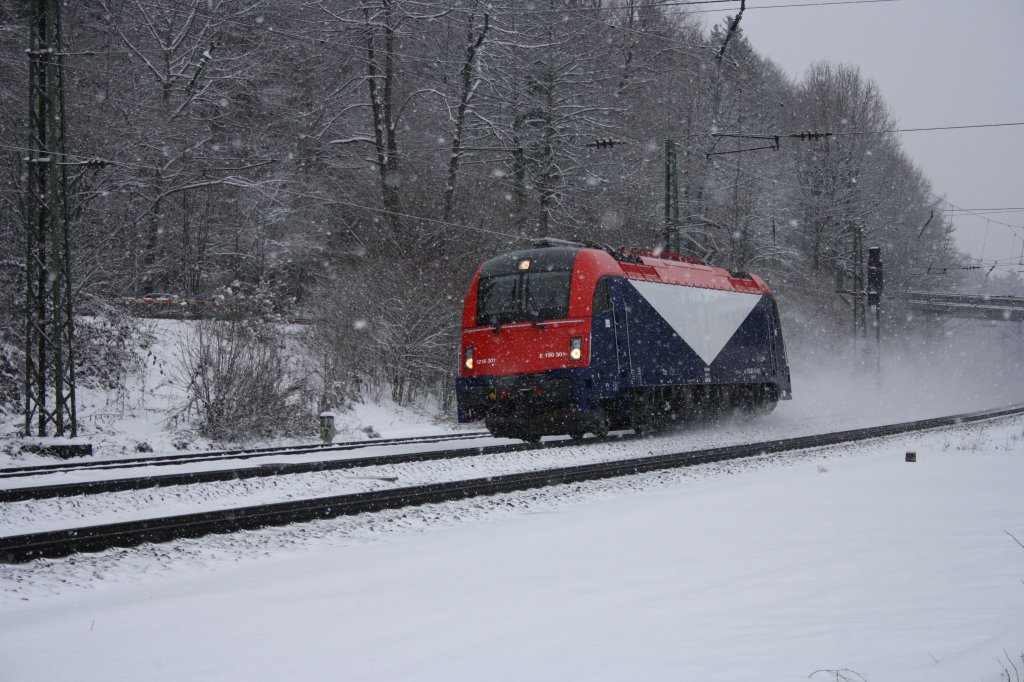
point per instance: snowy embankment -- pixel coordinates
(149, 412)
(773, 568)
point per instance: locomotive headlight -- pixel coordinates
(468, 362)
(576, 347)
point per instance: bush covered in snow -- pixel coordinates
(240, 381)
(109, 345)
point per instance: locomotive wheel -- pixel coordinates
(601, 425)
(529, 437)
(641, 416)
(645, 419)
(577, 435)
(754, 405)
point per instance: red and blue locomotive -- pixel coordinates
(575, 338)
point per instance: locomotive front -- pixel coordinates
(525, 350)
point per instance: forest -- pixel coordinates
(351, 162)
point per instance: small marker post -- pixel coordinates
(327, 431)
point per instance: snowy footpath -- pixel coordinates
(847, 559)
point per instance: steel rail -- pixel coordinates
(43, 492)
(53, 544)
(245, 453)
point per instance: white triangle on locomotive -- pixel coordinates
(704, 318)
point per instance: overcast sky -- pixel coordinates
(938, 63)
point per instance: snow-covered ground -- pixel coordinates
(774, 568)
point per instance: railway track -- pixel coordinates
(43, 492)
(247, 453)
(52, 544)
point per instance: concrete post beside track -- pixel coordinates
(327, 431)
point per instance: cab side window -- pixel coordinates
(602, 297)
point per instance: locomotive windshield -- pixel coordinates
(525, 286)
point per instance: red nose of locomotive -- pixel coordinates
(526, 342)
(525, 348)
(521, 316)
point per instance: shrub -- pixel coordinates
(240, 382)
(109, 345)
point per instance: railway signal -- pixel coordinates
(874, 292)
(875, 276)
